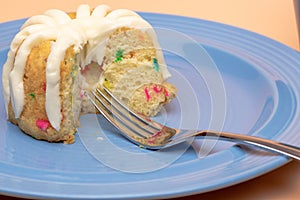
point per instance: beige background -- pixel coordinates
(272, 18)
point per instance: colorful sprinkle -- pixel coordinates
(141, 36)
(131, 53)
(42, 124)
(146, 90)
(150, 142)
(76, 57)
(166, 93)
(158, 134)
(154, 138)
(119, 55)
(32, 95)
(81, 94)
(75, 67)
(107, 84)
(74, 70)
(44, 87)
(157, 89)
(85, 69)
(155, 64)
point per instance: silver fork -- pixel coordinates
(149, 134)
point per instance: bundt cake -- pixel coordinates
(57, 56)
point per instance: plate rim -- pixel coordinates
(273, 164)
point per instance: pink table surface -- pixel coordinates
(272, 18)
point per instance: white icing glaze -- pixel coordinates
(83, 11)
(7, 68)
(58, 16)
(117, 14)
(71, 34)
(101, 11)
(17, 73)
(88, 30)
(39, 19)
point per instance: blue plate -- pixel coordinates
(249, 84)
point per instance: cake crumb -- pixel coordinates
(100, 138)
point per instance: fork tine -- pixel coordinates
(119, 118)
(124, 114)
(106, 113)
(137, 117)
(125, 131)
(144, 133)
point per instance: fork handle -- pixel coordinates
(281, 148)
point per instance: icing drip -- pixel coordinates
(16, 75)
(39, 19)
(69, 35)
(58, 16)
(7, 68)
(83, 11)
(101, 11)
(88, 32)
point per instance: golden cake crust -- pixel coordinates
(33, 119)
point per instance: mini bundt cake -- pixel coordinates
(57, 56)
